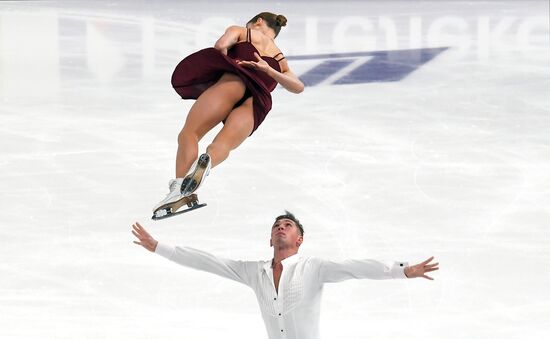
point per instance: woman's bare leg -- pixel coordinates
(237, 128)
(212, 106)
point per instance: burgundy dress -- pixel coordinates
(200, 70)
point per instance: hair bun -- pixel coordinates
(281, 20)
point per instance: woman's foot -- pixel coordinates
(173, 196)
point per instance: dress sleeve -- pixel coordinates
(336, 271)
(236, 270)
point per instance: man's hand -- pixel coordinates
(421, 269)
(145, 239)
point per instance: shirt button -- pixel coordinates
(400, 264)
(274, 298)
(279, 314)
(281, 330)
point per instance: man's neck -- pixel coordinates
(280, 254)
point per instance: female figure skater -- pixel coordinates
(232, 84)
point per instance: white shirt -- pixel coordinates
(293, 313)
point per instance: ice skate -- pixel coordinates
(174, 195)
(172, 209)
(195, 178)
(174, 200)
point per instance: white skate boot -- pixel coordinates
(174, 195)
(174, 200)
(196, 176)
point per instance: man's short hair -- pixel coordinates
(291, 216)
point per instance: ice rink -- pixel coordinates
(423, 130)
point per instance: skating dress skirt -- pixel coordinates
(200, 70)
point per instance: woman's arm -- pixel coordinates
(228, 39)
(286, 78)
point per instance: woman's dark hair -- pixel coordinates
(273, 21)
(291, 216)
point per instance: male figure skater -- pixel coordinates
(288, 287)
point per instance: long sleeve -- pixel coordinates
(193, 258)
(331, 271)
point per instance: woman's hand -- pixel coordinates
(286, 78)
(260, 64)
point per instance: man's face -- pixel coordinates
(285, 232)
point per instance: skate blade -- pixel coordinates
(164, 212)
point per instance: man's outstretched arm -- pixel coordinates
(193, 258)
(335, 271)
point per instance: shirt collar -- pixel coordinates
(285, 262)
